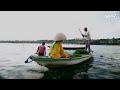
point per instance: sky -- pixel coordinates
(43, 25)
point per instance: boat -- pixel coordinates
(59, 62)
(72, 48)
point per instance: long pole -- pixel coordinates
(80, 32)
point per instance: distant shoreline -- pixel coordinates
(63, 43)
(113, 41)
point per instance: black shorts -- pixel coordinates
(41, 54)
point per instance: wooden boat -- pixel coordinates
(58, 62)
(72, 48)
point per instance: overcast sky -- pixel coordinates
(39, 25)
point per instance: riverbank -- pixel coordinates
(113, 41)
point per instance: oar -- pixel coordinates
(28, 59)
(80, 32)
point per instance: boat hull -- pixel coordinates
(50, 62)
(72, 48)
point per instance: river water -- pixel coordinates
(105, 65)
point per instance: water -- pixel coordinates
(106, 64)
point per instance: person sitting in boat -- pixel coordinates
(56, 49)
(41, 51)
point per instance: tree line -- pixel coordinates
(113, 41)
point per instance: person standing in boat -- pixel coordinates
(41, 51)
(56, 49)
(87, 38)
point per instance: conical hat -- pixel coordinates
(59, 37)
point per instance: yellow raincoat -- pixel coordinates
(57, 50)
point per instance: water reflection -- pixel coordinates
(12, 66)
(78, 71)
